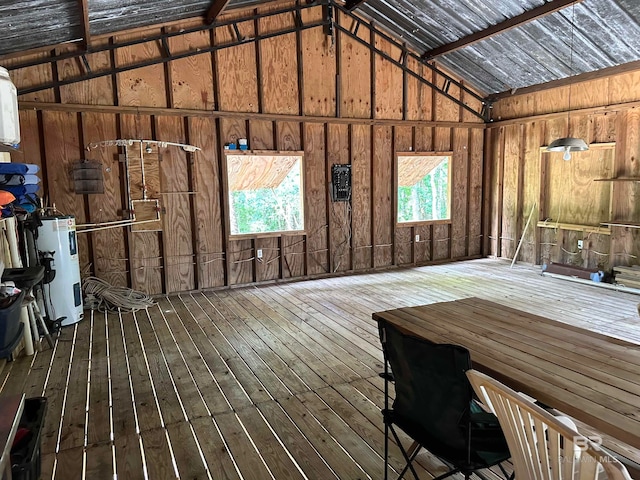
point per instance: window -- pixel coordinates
(423, 187)
(265, 192)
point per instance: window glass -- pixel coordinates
(265, 193)
(423, 188)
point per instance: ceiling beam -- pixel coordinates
(353, 4)
(214, 10)
(526, 17)
(84, 18)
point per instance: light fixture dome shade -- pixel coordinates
(570, 144)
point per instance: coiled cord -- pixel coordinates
(101, 295)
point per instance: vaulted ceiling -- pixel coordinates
(494, 45)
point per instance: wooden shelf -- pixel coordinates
(618, 179)
(575, 227)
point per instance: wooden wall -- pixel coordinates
(523, 179)
(333, 98)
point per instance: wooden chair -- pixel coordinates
(542, 447)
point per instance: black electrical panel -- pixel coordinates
(341, 183)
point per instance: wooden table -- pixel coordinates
(589, 376)
(10, 412)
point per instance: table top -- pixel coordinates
(10, 412)
(587, 375)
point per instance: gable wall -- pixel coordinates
(335, 99)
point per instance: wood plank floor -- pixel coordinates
(274, 382)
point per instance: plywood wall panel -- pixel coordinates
(241, 258)
(109, 246)
(142, 86)
(604, 128)
(62, 146)
(459, 191)
(316, 200)
(589, 94)
(192, 77)
(531, 191)
(340, 212)
(388, 82)
(268, 267)
(555, 100)
(442, 139)
(279, 66)
(97, 91)
(404, 245)
(403, 139)
(441, 241)
(24, 78)
(176, 197)
(361, 196)
(145, 248)
(355, 66)
(511, 207)
(623, 88)
(293, 248)
(423, 139)
(231, 130)
(422, 248)
(208, 208)
(261, 135)
(383, 216)
(445, 108)
(318, 55)
(31, 143)
(418, 94)
(237, 71)
(475, 198)
(288, 136)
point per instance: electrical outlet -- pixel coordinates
(417, 238)
(580, 244)
(259, 253)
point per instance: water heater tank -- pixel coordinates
(9, 120)
(63, 295)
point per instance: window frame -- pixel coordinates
(396, 175)
(227, 192)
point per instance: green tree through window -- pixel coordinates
(265, 193)
(423, 188)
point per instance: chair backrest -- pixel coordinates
(432, 393)
(543, 447)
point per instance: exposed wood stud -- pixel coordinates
(259, 64)
(405, 83)
(84, 18)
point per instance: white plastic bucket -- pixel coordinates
(9, 120)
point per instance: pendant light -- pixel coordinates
(569, 144)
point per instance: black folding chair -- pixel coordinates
(434, 406)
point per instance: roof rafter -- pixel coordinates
(526, 17)
(84, 14)
(217, 6)
(353, 4)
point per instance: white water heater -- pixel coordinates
(63, 296)
(9, 120)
